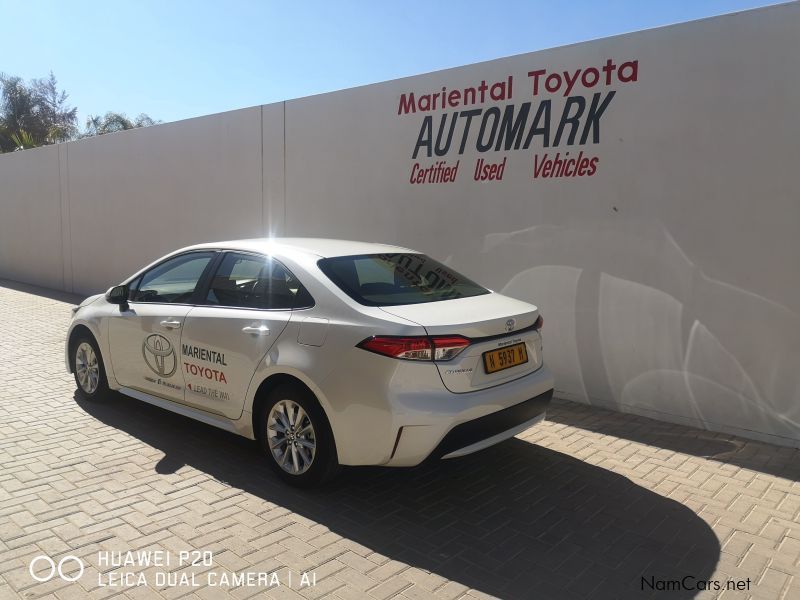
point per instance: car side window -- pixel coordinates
(249, 281)
(174, 280)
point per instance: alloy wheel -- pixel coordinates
(291, 436)
(87, 367)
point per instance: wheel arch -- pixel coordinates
(273, 381)
(74, 335)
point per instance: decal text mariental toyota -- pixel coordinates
(531, 124)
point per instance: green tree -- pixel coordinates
(34, 114)
(22, 140)
(113, 121)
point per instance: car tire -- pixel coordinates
(88, 369)
(298, 444)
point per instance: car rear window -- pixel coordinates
(394, 279)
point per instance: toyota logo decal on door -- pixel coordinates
(159, 355)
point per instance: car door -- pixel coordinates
(144, 339)
(248, 303)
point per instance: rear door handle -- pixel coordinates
(260, 330)
(171, 324)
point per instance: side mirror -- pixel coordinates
(118, 295)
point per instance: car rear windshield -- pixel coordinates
(393, 279)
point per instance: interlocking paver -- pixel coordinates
(585, 505)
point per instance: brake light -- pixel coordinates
(413, 348)
(439, 347)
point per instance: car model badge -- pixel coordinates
(510, 324)
(159, 355)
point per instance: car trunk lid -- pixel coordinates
(492, 322)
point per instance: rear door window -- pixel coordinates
(394, 279)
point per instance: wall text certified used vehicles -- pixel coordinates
(327, 352)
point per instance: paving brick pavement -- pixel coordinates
(587, 505)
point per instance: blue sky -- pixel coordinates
(178, 59)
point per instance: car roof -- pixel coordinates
(321, 247)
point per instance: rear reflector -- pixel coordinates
(448, 346)
(438, 347)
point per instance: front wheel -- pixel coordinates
(90, 374)
(296, 437)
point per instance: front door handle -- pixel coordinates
(260, 330)
(171, 324)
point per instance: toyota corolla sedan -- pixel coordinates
(327, 352)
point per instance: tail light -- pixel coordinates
(420, 347)
(539, 322)
(446, 347)
(413, 348)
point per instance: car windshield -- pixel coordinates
(394, 279)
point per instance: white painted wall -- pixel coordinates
(157, 189)
(668, 279)
(30, 217)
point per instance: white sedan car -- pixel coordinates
(327, 352)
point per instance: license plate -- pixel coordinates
(505, 358)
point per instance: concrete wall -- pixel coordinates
(157, 189)
(667, 277)
(31, 217)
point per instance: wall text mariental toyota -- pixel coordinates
(508, 127)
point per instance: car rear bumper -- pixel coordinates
(493, 428)
(466, 423)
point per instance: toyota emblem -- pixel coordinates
(159, 355)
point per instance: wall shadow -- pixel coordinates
(515, 521)
(36, 290)
(780, 461)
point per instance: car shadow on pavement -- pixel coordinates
(514, 521)
(780, 461)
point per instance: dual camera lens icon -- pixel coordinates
(52, 568)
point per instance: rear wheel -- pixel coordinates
(296, 437)
(90, 374)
